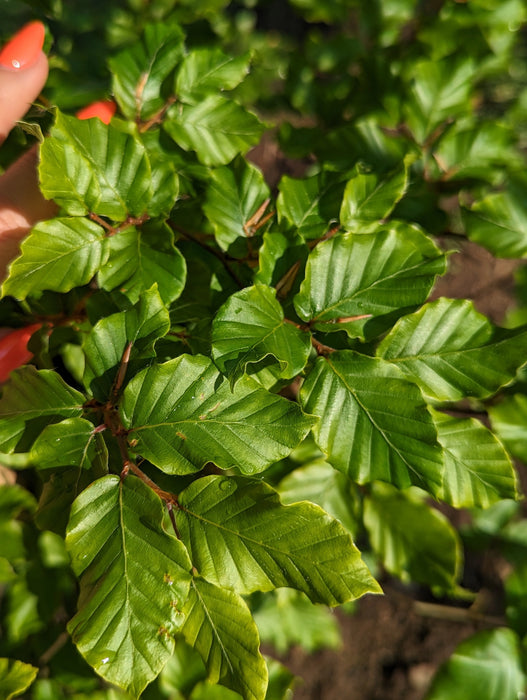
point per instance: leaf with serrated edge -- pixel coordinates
(374, 423)
(240, 536)
(249, 327)
(414, 541)
(59, 254)
(478, 470)
(182, 414)
(451, 351)
(220, 627)
(134, 581)
(35, 396)
(372, 274)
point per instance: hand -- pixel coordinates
(23, 73)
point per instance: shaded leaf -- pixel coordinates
(373, 274)
(134, 578)
(451, 351)
(370, 197)
(312, 204)
(287, 618)
(59, 254)
(478, 471)
(183, 414)
(87, 166)
(374, 423)
(208, 70)
(72, 442)
(414, 541)
(241, 536)
(139, 257)
(139, 71)
(216, 128)
(33, 399)
(249, 328)
(487, 665)
(220, 627)
(105, 346)
(234, 195)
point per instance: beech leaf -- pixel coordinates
(182, 414)
(240, 536)
(134, 581)
(374, 423)
(220, 627)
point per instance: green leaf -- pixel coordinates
(138, 72)
(216, 129)
(487, 665)
(220, 627)
(374, 423)
(183, 414)
(310, 205)
(13, 500)
(509, 420)
(15, 678)
(414, 541)
(240, 536)
(478, 471)
(374, 274)
(138, 257)
(370, 197)
(234, 195)
(134, 579)
(320, 483)
(104, 348)
(249, 328)
(499, 222)
(287, 618)
(451, 351)
(205, 71)
(516, 599)
(72, 442)
(59, 254)
(31, 400)
(281, 260)
(90, 167)
(440, 92)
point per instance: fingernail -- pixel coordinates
(104, 109)
(24, 48)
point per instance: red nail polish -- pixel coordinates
(104, 109)
(24, 48)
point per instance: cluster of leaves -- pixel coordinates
(231, 384)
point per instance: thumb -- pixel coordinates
(23, 72)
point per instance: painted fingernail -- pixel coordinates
(24, 48)
(104, 109)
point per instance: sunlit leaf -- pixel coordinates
(373, 275)
(182, 414)
(249, 328)
(509, 420)
(374, 423)
(15, 678)
(59, 254)
(242, 537)
(220, 627)
(452, 351)
(134, 580)
(72, 442)
(207, 70)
